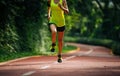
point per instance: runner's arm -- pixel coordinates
(49, 9)
(64, 6)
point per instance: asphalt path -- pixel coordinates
(86, 60)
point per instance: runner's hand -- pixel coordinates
(48, 18)
(64, 9)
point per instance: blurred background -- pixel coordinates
(23, 26)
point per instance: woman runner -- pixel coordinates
(56, 10)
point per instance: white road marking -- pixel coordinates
(48, 66)
(28, 73)
(88, 52)
(45, 67)
(68, 58)
(55, 62)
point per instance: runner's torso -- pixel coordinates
(57, 14)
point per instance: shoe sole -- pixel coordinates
(59, 60)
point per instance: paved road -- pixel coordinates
(87, 60)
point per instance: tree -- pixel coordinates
(21, 25)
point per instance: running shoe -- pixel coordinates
(59, 59)
(53, 47)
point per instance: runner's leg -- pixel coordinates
(60, 45)
(53, 31)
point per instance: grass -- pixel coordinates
(113, 45)
(16, 55)
(68, 48)
(11, 56)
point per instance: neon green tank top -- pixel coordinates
(57, 14)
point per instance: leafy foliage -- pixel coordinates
(23, 23)
(21, 26)
(97, 18)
